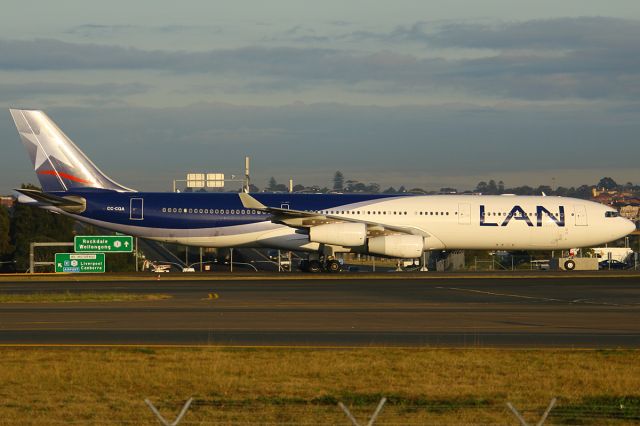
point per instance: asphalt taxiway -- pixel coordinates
(593, 311)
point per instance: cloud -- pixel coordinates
(26, 91)
(101, 31)
(389, 145)
(569, 58)
(49, 54)
(559, 33)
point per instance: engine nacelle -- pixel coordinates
(404, 246)
(339, 234)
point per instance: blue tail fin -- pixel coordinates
(58, 162)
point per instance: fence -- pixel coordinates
(509, 263)
(528, 417)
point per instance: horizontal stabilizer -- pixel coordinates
(70, 204)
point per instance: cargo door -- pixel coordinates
(136, 211)
(580, 213)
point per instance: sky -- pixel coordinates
(411, 92)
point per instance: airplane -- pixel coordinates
(393, 226)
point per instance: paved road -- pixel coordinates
(483, 312)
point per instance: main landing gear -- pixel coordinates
(314, 266)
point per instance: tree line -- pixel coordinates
(24, 224)
(342, 185)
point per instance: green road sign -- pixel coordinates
(84, 263)
(103, 243)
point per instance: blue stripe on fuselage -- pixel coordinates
(114, 207)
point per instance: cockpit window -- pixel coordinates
(611, 214)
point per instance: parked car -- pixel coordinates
(612, 264)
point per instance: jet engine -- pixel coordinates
(403, 246)
(339, 234)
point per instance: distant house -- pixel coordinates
(630, 212)
(7, 202)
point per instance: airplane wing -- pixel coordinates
(308, 219)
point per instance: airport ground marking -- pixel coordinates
(520, 296)
(165, 422)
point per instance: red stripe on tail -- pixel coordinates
(64, 175)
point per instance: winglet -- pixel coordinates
(248, 202)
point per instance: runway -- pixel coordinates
(583, 312)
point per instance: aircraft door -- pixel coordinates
(580, 213)
(464, 214)
(136, 211)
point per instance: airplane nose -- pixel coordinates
(629, 227)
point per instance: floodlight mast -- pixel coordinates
(215, 180)
(247, 180)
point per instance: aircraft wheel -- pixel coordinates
(570, 265)
(315, 266)
(334, 266)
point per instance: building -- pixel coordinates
(630, 212)
(7, 202)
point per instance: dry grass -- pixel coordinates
(79, 297)
(302, 386)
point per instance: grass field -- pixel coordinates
(303, 386)
(79, 297)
